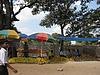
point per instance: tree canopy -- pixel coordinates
(61, 12)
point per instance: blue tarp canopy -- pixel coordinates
(77, 39)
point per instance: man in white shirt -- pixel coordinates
(3, 58)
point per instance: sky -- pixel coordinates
(29, 24)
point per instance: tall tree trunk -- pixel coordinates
(1, 14)
(5, 16)
(8, 14)
(62, 42)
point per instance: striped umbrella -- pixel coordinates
(9, 34)
(42, 37)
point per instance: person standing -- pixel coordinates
(4, 59)
(26, 51)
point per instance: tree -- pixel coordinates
(36, 5)
(7, 16)
(88, 22)
(64, 14)
(61, 16)
(95, 21)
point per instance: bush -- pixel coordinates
(28, 60)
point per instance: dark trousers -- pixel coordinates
(3, 70)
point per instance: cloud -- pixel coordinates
(78, 3)
(25, 14)
(29, 23)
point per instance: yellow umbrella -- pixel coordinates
(24, 39)
(8, 34)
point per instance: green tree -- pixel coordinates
(63, 14)
(88, 22)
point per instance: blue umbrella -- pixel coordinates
(23, 35)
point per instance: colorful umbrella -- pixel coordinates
(42, 37)
(8, 34)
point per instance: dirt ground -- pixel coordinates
(69, 68)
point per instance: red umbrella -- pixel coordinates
(42, 37)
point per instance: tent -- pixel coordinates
(77, 39)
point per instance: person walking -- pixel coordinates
(4, 59)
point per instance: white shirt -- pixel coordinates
(3, 56)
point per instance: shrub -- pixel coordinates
(28, 60)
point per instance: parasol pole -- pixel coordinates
(41, 48)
